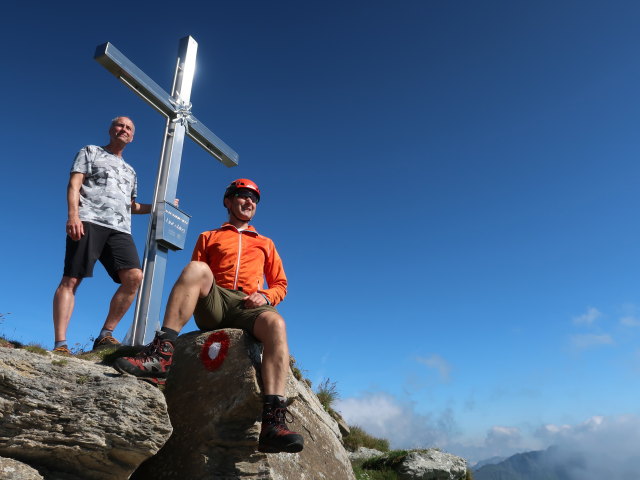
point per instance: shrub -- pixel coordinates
(327, 393)
(362, 474)
(34, 348)
(387, 461)
(359, 438)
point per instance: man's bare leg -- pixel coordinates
(130, 280)
(63, 303)
(153, 364)
(194, 282)
(270, 329)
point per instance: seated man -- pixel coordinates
(223, 288)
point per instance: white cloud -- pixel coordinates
(385, 416)
(438, 363)
(499, 441)
(598, 448)
(503, 436)
(630, 321)
(587, 318)
(584, 341)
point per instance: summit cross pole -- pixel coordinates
(177, 108)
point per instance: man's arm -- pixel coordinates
(275, 277)
(75, 229)
(141, 208)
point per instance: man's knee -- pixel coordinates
(130, 278)
(271, 324)
(69, 283)
(196, 272)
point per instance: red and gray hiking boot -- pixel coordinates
(275, 437)
(151, 364)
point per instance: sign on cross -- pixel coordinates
(177, 108)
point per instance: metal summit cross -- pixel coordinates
(177, 108)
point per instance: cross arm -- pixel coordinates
(211, 143)
(125, 70)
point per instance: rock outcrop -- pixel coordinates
(63, 418)
(364, 453)
(431, 465)
(214, 401)
(73, 419)
(11, 469)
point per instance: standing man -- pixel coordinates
(100, 200)
(223, 287)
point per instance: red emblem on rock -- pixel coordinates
(214, 350)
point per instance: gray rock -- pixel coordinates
(11, 469)
(216, 420)
(342, 424)
(432, 465)
(364, 453)
(77, 419)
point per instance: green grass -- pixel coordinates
(359, 438)
(327, 393)
(389, 460)
(297, 372)
(381, 467)
(35, 349)
(362, 474)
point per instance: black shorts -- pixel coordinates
(115, 250)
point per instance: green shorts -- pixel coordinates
(224, 308)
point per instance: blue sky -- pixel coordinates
(452, 186)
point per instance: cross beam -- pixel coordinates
(177, 108)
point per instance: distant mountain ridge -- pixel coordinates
(488, 461)
(537, 465)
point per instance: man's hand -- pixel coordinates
(75, 229)
(254, 300)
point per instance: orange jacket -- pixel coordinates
(241, 260)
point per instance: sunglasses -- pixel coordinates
(248, 194)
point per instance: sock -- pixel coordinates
(60, 343)
(105, 332)
(167, 333)
(277, 400)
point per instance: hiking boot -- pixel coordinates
(105, 342)
(62, 350)
(158, 382)
(153, 362)
(275, 437)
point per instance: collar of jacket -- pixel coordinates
(249, 229)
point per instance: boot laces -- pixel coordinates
(152, 350)
(281, 416)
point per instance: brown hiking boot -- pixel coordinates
(275, 437)
(105, 342)
(62, 350)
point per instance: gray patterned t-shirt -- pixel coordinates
(109, 185)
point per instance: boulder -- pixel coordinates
(75, 419)
(11, 469)
(214, 401)
(431, 465)
(364, 453)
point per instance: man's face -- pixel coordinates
(242, 204)
(122, 130)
